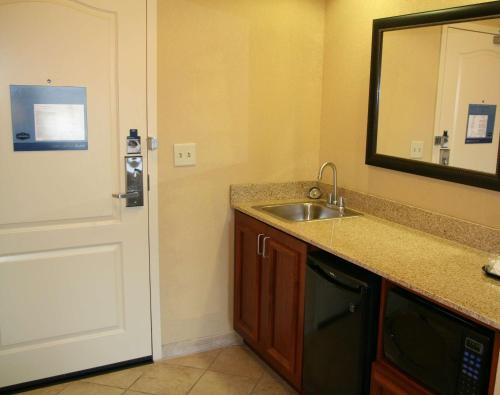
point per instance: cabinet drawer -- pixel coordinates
(385, 381)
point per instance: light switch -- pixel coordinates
(185, 154)
(417, 149)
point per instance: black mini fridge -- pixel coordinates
(340, 326)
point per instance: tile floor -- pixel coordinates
(227, 371)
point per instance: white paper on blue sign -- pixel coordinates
(59, 122)
(477, 126)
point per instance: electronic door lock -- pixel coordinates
(134, 181)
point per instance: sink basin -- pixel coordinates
(305, 211)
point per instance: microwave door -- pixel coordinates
(425, 347)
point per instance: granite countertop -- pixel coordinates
(445, 271)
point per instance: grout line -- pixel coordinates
(204, 371)
(91, 383)
(257, 382)
(221, 350)
(196, 382)
(135, 381)
(140, 392)
(103, 385)
(62, 389)
(253, 355)
(234, 374)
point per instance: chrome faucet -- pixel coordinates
(332, 196)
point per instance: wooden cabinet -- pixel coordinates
(269, 282)
(269, 294)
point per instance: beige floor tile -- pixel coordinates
(52, 390)
(122, 378)
(165, 371)
(82, 388)
(201, 360)
(239, 361)
(142, 368)
(270, 385)
(167, 379)
(214, 383)
(152, 385)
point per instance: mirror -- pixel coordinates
(435, 95)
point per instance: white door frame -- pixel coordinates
(154, 257)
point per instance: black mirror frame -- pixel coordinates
(453, 174)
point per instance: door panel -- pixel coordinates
(72, 45)
(247, 279)
(283, 303)
(74, 262)
(44, 296)
(281, 296)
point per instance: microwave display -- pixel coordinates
(473, 345)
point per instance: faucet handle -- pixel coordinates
(341, 202)
(331, 199)
(341, 205)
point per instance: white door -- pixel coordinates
(469, 76)
(74, 262)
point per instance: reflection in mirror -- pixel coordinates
(439, 95)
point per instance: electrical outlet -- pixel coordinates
(185, 154)
(417, 149)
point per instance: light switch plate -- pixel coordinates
(417, 149)
(185, 154)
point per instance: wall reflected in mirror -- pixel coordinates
(439, 95)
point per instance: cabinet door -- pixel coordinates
(247, 278)
(283, 270)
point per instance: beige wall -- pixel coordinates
(242, 79)
(408, 85)
(345, 103)
(247, 80)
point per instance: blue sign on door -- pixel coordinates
(47, 118)
(480, 123)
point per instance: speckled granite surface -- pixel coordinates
(270, 191)
(464, 232)
(443, 270)
(454, 229)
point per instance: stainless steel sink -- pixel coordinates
(305, 211)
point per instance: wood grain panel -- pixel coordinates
(283, 304)
(247, 278)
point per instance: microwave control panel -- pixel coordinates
(472, 369)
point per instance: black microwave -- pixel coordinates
(444, 352)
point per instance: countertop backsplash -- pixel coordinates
(464, 232)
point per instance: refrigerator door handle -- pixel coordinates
(332, 278)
